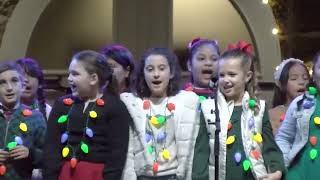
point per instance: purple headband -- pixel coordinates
(196, 41)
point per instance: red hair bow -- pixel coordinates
(243, 46)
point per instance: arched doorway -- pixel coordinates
(27, 26)
(257, 17)
(65, 27)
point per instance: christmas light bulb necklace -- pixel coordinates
(153, 140)
(87, 131)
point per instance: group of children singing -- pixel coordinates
(134, 122)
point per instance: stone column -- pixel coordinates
(142, 24)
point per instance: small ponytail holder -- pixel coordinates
(194, 41)
(242, 46)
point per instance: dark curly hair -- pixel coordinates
(140, 86)
(121, 55)
(32, 68)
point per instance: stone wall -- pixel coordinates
(6, 9)
(297, 20)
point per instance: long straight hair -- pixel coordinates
(280, 93)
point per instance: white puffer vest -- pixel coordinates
(186, 116)
(225, 111)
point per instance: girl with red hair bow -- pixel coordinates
(247, 146)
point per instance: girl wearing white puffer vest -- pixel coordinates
(162, 140)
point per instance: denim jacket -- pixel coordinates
(294, 131)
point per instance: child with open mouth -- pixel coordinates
(23, 129)
(291, 79)
(161, 145)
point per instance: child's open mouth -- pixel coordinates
(156, 82)
(72, 86)
(10, 96)
(302, 90)
(27, 89)
(207, 71)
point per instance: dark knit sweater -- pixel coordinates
(108, 145)
(33, 139)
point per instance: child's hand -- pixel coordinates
(272, 176)
(19, 152)
(3, 156)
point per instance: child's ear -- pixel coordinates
(94, 79)
(127, 71)
(189, 65)
(23, 82)
(249, 76)
(171, 75)
(23, 86)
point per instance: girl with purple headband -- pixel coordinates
(247, 149)
(202, 64)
